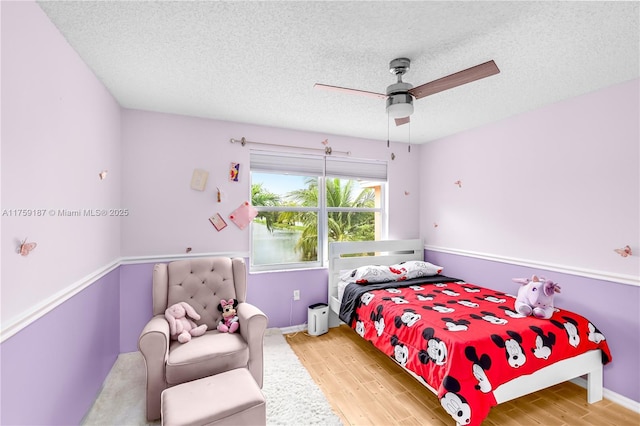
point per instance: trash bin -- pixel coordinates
(318, 319)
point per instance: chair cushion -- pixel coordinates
(202, 283)
(209, 354)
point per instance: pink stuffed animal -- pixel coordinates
(181, 327)
(535, 297)
(229, 322)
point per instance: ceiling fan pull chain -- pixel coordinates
(387, 130)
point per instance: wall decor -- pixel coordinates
(26, 248)
(218, 194)
(243, 215)
(199, 179)
(234, 172)
(103, 174)
(459, 183)
(624, 252)
(218, 222)
(188, 250)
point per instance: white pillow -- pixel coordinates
(417, 268)
(371, 274)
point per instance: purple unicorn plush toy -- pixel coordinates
(535, 297)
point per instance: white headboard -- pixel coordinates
(350, 255)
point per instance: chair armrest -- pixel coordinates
(154, 346)
(154, 339)
(253, 323)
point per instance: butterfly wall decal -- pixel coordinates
(103, 174)
(26, 248)
(459, 183)
(624, 252)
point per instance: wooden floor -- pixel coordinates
(365, 387)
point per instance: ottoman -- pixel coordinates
(229, 398)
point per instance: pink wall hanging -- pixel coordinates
(243, 215)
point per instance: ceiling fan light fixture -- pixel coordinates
(400, 95)
(400, 105)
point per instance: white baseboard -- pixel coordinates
(294, 328)
(612, 396)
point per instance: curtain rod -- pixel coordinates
(327, 149)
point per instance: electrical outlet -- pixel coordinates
(296, 294)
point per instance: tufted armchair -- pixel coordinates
(202, 283)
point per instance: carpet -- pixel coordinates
(293, 398)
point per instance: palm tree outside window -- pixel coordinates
(306, 202)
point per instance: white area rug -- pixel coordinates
(293, 398)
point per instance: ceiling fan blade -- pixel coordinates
(352, 91)
(402, 120)
(454, 80)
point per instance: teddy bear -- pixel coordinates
(229, 322)
(181, 327)
(535, 297)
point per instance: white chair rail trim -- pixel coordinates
(14, 325)
(37, 311)
(572, 270)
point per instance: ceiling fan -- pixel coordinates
(400, 95)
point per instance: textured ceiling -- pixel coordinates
(257, 62)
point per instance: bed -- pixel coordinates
(465, 343)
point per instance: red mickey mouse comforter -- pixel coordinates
(465, 340)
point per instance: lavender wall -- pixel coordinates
(53, 369)
(135, 303)
(612, 307)
(272, 292)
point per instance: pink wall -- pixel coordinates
(160, 152)
(60, 128)
(559, 185)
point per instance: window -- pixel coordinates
(305, 202)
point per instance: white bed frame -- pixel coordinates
(394, 251)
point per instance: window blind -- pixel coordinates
(350, 168)
(309, 165)
(306, 165)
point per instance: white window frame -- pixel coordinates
(323, 167)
